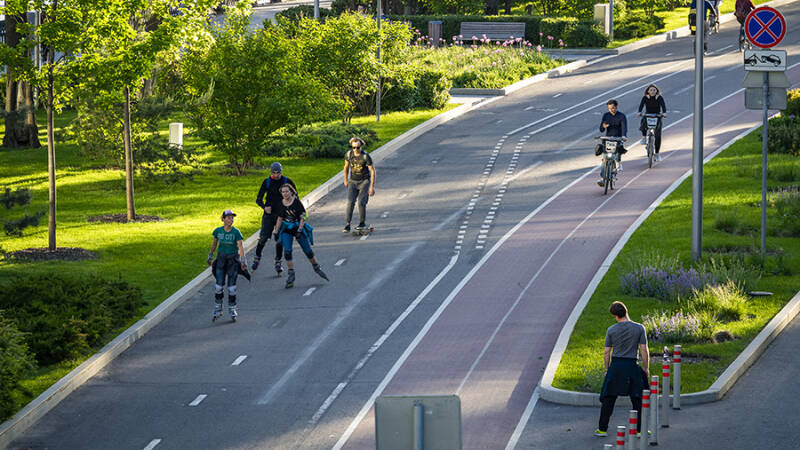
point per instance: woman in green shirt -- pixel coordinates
(230, 258)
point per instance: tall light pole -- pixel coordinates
(697, 135)
(316, 9)
(378, 93)
(611, 20)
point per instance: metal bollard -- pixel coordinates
(645, 412)
(654, 409)
(621, 437)
(419, 430)
(676, 378)
(608, 447)
(665, 390)
(633, 419)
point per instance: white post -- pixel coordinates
(176, 134)
(665, 390)
(621, 437)
(654, 409)
(645, 413)
(676, 382)
(633, 418)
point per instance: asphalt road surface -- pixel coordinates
(463, 287)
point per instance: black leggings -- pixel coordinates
(608, 407)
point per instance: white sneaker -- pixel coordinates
(619, 167)
(658, 157)
(601, 182)
(642, 140)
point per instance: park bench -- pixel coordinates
(496, 31)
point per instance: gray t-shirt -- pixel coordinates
(624, 338)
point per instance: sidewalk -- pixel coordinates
(759, 412)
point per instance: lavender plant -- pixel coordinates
(678, 327)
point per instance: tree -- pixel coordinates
(342, 52)
(244, 85)
(20, 113)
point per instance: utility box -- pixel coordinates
(435, 32)
(602, 16)
(176, 134)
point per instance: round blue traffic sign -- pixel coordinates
(765, 27)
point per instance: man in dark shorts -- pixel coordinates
(623, 374)
(359, 179)
(271, 188)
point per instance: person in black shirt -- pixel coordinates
(291, 225)
(269, 199)
(653, 103)
(615, 124)
(359, 179)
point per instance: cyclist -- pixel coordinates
(653, 103)
(743, 8)
(615, 124)
(709, 10)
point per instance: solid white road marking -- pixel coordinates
(558, 95)
(152, 444)
(340, 262)
(198, 399)
(239, 360)
(309, 291)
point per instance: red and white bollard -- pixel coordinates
(645, 413)
(633, 420)
(665, 390)
(654, 409)
(676, 379)
(621, 437)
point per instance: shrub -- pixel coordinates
(586, 34)
(558, 27)
(726, 301)
(637, 24)
(784, 171)
(678, 327)
(15, 362)
(295, 13)
(731, 221)
(732, 270)
(318, 141)
(433, 89)
(65, 316)
(400, 95)
(792, 103)
(787, 203)
(784, 135)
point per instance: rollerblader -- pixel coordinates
(292, 225)
(229, 262)
(359, 179)
(269, 199)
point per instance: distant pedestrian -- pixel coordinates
(623, 374)
(359, 179)
(269, 199)
(226, 267)
(292, 225)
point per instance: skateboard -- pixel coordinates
(363, 231)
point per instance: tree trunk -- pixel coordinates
(20, 119)
(126, 138)
(508, 7)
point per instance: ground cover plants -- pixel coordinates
(705, 306)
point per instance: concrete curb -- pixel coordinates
(728, 378)
(41, 405)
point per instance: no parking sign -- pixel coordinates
(765, 27)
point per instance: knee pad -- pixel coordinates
(232, 291)
(287, 255)
(218, 297)
(231, 300)
(217, 289)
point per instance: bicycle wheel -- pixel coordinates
(650, 149)
(607, 175)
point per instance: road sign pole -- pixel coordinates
(611, 22)
(697, 137)
(764, 136)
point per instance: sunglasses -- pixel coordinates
(356, 146)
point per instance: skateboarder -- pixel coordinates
(270, 188)
(623, 375)
(292, 225)
(230, 259)
(359, 179)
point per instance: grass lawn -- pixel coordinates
(158, 257)
(732, 192)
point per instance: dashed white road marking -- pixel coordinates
(340, 262)
(529, 108)
(198, 399)
(239, 360)
(309, 291)
(385, 214)
(558, 95)
(152, 444)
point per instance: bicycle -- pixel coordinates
(608, 171)
(744, 44)
(650, 138)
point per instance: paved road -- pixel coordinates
(314, 355)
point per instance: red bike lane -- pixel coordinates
(492, 341)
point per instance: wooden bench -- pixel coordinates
(496, 31)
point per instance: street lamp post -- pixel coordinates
(697, 136)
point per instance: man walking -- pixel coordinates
(269, 199)
(623, 375)
(359, 179)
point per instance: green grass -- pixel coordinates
(668, 230)
(158, 257)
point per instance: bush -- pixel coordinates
(792, 103)
(727, 301)
(664, 285)
(637, 24)
(732, 270)
(15, 362)
(586, 34)
(295, 13)
(559, 28)
(429, 88)
(64, 317)
(787, 203)
(433, 89)
(732, 221)
(320, 141)
(784, 135)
